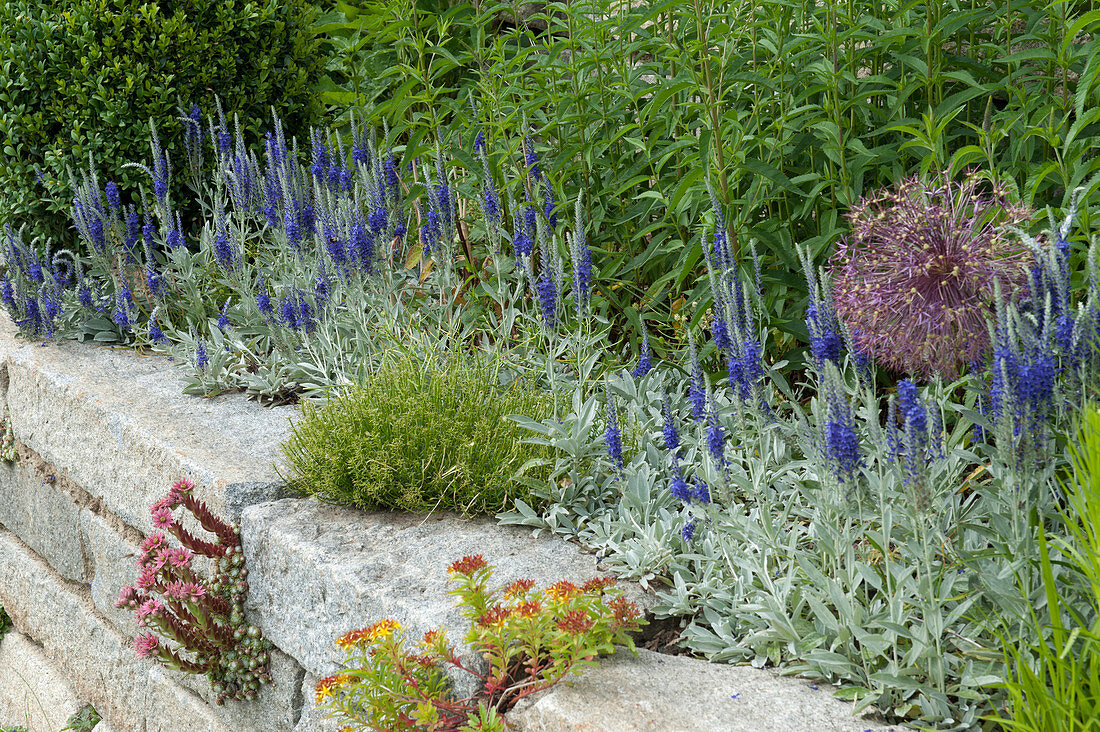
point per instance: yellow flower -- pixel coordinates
(327, 686)
(362, 636)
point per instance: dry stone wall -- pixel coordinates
(102, 433)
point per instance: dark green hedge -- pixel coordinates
(86, 76)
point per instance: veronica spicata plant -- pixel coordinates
(855, 536)
(532, 639)
(914, 280)
(305, 265)
(197, 625)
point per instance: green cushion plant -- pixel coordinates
(418, 436)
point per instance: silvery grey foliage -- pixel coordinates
(868, 540)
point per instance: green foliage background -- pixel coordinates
(796, 110)
(84, 78)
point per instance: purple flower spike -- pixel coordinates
(613, 437)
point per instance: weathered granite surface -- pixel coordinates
(658, 693)
(33, 692)
(34, 506)
(117, 424)
(131, 693)
(317, 571)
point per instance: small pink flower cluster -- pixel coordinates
(202, 621)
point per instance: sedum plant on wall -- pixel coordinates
(532, 639)
(197, 625)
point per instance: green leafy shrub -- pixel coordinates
(5, 622)
(84, 78)
(417, 437)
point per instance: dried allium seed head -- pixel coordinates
(915, 277)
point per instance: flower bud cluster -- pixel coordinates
(197, 625)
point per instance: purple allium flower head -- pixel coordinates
(202, 359)
(114, 200)
(645, 357)
(613, 437)
(915, 276)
